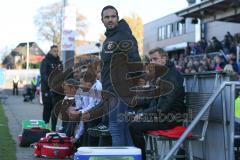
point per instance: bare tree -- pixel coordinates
(4, 52)
(49, 19)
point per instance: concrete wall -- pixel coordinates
(219, 29)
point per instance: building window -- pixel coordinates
(184, 28)
(173, 30)
(181, 28)
(164, 32)
(159, 33)
(168, 31)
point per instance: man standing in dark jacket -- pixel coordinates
(49, 97)
(119, 41)
(165, 111)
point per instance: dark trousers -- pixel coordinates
(15, 88)
(137, 130)
(105, 140)
(54, 115)
(47, 106)
(86, 139)
(34, 88)
(69, 128)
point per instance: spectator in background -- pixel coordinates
(233, 48)
(203, 46)
(178, 66)
(187, 50)
(49, 63)
(217, 46)
(228, 68)
(193, 70)
(212, 66)
(226, 44)
(201, 68)
(34, 86)
(205, 65)
(231, 39)
(15, 85)
(209, 47)
(185, 61)
(194, 49)
(237, 38)
(219, 65)
(209, 60)
(233, 62)
(196, 64)
(186, 70)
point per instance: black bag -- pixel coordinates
(32, 135)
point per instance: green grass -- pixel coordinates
(7, 145)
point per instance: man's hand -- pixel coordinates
(71, 108)
(74, 115)
(73, 140)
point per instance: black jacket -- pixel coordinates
(172, 102)
(48, 64)
(113, 45)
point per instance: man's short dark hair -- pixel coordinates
(160, 51)
(90, 76)
(109, 7)
(53, 46)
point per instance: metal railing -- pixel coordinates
(230, 148)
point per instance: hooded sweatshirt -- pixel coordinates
(118, 40)
(48, 64)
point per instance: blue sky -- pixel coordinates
(17, 16)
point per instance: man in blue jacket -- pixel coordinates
(164, 111)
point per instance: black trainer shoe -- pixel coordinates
(99, 130)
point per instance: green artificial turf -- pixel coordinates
(7, 145)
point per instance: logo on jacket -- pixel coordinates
(110, 47)
(123, 46)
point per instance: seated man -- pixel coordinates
(86, 100)
(163, 111)
(29, 95)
